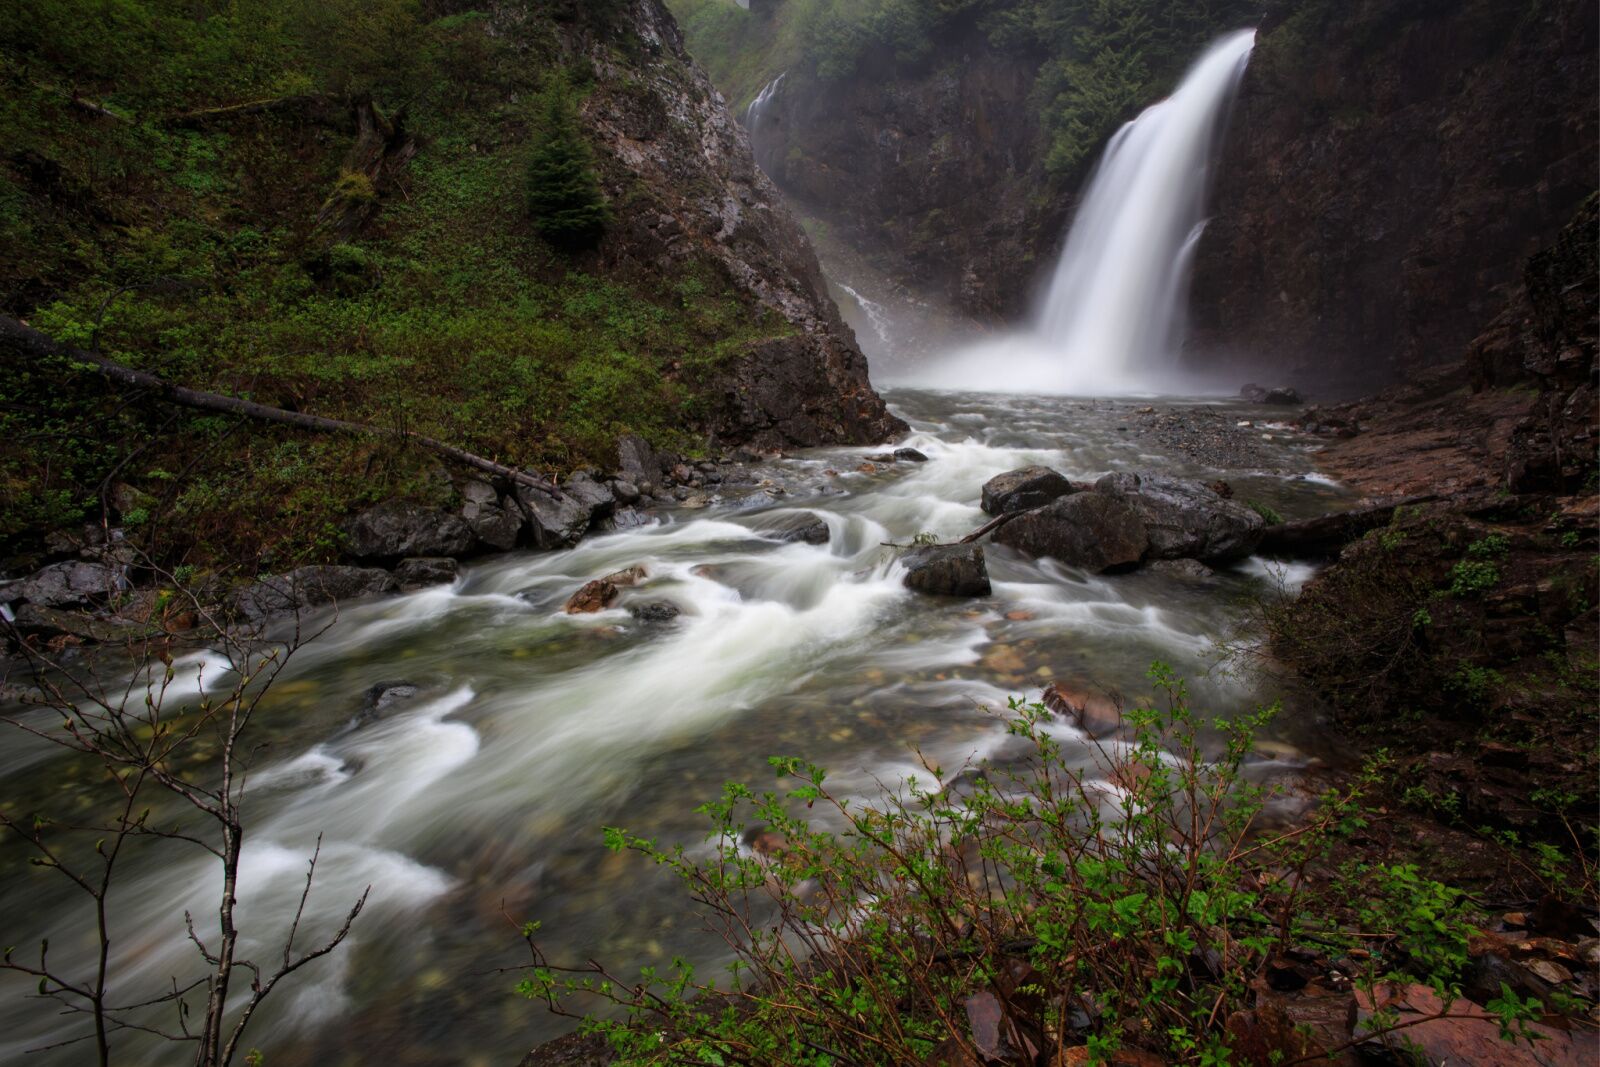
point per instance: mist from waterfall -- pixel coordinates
(1112, 318)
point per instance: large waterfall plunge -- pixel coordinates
(1112, 318)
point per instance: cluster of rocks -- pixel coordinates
(1120, 522)
(1281, 395)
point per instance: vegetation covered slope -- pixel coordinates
(343, 208)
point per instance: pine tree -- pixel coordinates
(564, 196)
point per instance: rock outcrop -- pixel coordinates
(1389, 166)
(673, 151)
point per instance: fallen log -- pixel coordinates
(995, 523)
(208, 115)
(1325, 535)
(32, 345)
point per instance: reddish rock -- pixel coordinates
(601, 593)
(1469, 1035)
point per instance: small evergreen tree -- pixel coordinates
(564, 196)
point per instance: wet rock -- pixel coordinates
(592, 495)
(68, 584)
(1468, 1036)
(1185, 519)
(399, 528)
(309, 587)
(626, 492)
(601, 593)
(1019, 490)
(629, 519)
(807, 528)
(555, 520)
(379, 698)
(1283, 394)
(1182, 568)
(655, 611)
(1096, 714)
(494, 522)
(1095, 531)
(910, 455)
(638, 463)
(947, 570)
(419, 573)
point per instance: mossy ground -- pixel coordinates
(193, 250)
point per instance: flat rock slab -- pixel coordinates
(1091, 530)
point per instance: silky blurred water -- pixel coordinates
(533, 729)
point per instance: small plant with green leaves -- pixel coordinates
(1145, 878)
(1473, 577)
(1268, 514)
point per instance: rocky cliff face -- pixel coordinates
(682, 166)
(934, 175)
(1390, 166)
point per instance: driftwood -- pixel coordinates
(1326, 534)
(998, 521)
(208, 115)
(30, 344)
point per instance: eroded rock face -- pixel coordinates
(309, 587)
(1186, 519)
(399, 528)
(947, 570)
(1019, 490)
(1388, 167)
(1096, 531)
(672, 150)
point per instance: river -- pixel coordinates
(532, 729)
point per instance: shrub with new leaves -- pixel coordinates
(565, 200)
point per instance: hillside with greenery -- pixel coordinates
(1097, 62)
(350, 209)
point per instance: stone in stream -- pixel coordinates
(398, 528)
(1182, 568)
(1185, 519)
(601, 593)
(379, 698)
(1094, 713)
(1019, 490)
(1282, 395)
(1090, 530)
(947, 570)
(806, 528)
(423, 571)
(655, 611)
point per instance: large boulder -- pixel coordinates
(67, 584)
(1186, 519)
(638, 463)
(595, 496)
(399, 528)
(601, 593)
(494, 522)
(1019, 490)
(310, 587)
(947, 570)
(1096, 531)
(555, 520)
(423, 571)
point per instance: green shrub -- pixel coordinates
(565, 200)
(1142, 883)
(1268, 514)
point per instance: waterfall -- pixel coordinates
(1112, 318)
(757, 120)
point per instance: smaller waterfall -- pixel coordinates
(759, 121)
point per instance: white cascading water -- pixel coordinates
(1111, 321)
(757, 118)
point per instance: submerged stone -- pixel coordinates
(947, 570)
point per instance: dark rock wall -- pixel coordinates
(679, 169)
(933, 174)
(1390, 166)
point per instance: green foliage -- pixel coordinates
(862, 931)
(565, 201)
(1470, 577)
(1268, 514)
